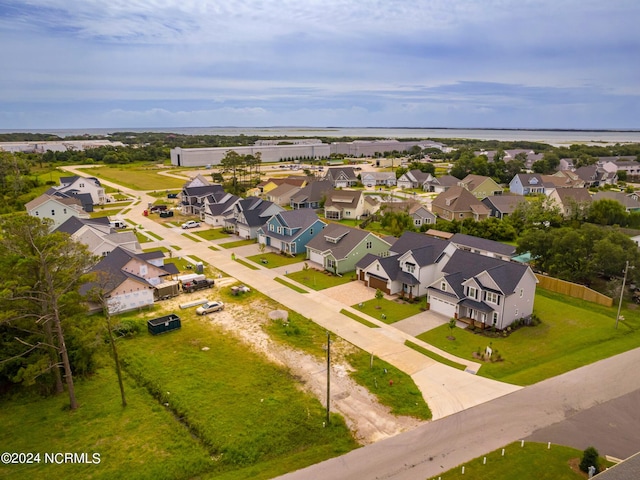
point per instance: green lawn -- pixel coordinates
(101, 212)
(238, 243)
(355, 317)
(212, 234)
(246, 264)
(390, 311)
(191, 237)
(293, 287)
(534, 461)
(136, 177)
(317, 280)
(274, 260)
(573, 333)
(434, 356)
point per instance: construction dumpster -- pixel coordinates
(163, 324)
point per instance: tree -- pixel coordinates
(379, 296)
(451, 325)
(590, 459)
(607, 212)
(40, 277)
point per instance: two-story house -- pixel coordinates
(290, 231)
(341, 177)
(349, 204)
(458, 203)
(312, 195)
(480, 186)
(193, 195)
(99, 236)
(338, 248)
(56, 208)
(77, 185)
(249, 214)
(218, 207)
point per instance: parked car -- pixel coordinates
(172, 195)
(210, 307)
(191, 224)
(166, 214)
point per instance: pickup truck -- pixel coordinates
(195, 285)
(190, 224)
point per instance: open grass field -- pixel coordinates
(318, 280)
(142, 441)
(573, 333)
(533, 461)
(136, 177)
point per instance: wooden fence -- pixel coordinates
(573, 290)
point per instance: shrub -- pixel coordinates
(126, 328)
(590, 458)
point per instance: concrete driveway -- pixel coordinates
(350, 293)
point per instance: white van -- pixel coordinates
(118, 224)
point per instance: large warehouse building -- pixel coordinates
(199, 157)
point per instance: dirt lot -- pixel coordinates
(369, 420)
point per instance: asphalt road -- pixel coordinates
(558, 409)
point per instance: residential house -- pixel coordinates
(374, 179)
(194, 193)
(480, 186)
(338, 248)
(628, 164)
(421, 216)
(527, 184)
(502, 206)
(311, 196)
(56, 208)
(481, 290)
(249, 215)
(349, 204)
(458, 203)
(218, 207)
(410, 266)
(129, 279)
(271, 183)
(595, 176)
(483, 246)
(290, 231)
(628, 200)
(571, 201)
(77, 185)
(415, 179)
(440, 184)
(99, 236)
(341, 177)
(281, 195)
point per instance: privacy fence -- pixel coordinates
(573, 290)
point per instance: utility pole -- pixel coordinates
(328, 373)
(624, 280)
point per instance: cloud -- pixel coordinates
(334, 60)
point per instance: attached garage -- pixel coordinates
(378, 283)
(316, 257)
(442, 306)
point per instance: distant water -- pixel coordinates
(554, 137)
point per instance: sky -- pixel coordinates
(566, 64)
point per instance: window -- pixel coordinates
(410, 267)
(492, 297)
(417, 222)
(517, 312)
(377, 267)
(369, 245)
(271, 227)
(495, 317)
(311, 231)
(53, 212)
(347, 213)
(443, 286)
(521, 292)
(279, 230)
(472, 292)
(461, 215)
(64, 211)
(331, 263)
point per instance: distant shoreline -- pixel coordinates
(550, 136)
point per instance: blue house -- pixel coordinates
(290, 230)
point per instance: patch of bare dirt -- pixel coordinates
(369, 420)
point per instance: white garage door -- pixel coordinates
(443, 307)
(316, 257)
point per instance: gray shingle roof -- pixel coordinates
(348, 239)
(482, 244)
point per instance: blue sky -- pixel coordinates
(349, 63)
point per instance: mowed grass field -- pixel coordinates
(573, 333)
(136, 177)
(220, 412)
